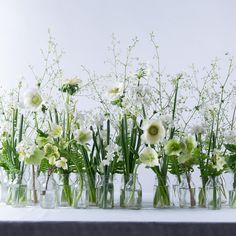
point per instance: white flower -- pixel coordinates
(32, 99)
(25, 149)
(220, 161)
(115, 92)
(62, 163)
(149, 157)
(56, 131)
(166, 120)
(198, 129)
(153, 132)
(5, 128)
(106, 162)
(83, 136)
(73, 81)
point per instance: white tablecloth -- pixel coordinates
(8, 213)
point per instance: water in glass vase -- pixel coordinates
(133, 193)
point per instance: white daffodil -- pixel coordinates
(33, 99)
(153, 132)
(115, 92)
(83, 136)
(220, 161)
(62, 163)
(56, 131)
(149, 157)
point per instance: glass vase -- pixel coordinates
(175, 193)
(202, 197)
(213, 193)
(124, 181)
(133, 193)
(80, 192)
(187, 192)
(33, 188)
(48, 192)
(105, 192)
(161, 194)
(19, 192)
(64, 191)
(232, 192)
(6, 188)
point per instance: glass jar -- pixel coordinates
(19, 192)
(48, 192)
(80, 192)
(202, 197)
(232, 192)
(124, 181)
(187, 191)
(64, 191)
(175, 193)
(33, 188)
(105, 192)
(213, 193)
(161, 194)
(133, 193)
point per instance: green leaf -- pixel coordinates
(231, 147)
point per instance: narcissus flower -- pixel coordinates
(149, 157)
(153, 132)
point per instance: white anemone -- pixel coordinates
(33, 99)
(115, 92)
(153, 132)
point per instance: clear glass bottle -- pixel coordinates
(33, 188)
(19, 192)
(202, 197)
(124, 181)
(175, 193)
(161, 194)
(81, 192)
(105, 192)
(232, 192)
(213, 193)
(133, 193)
(187, 191)
(48, 192)
(64, 191)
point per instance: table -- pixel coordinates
(116, 222)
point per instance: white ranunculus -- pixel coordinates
(83, 136)
(62, 163)
(149, 157)
(73, 81)
(56, 131)
(33, 99)
(114, 92)
(153, 132)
